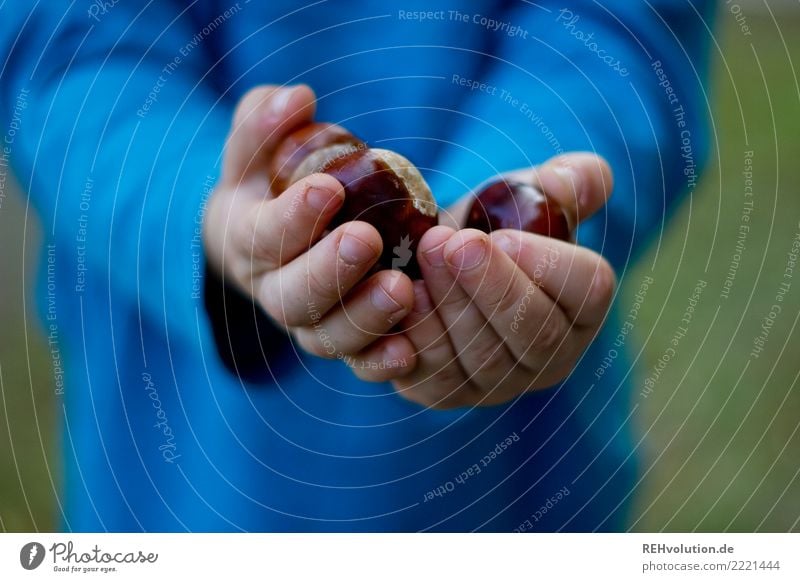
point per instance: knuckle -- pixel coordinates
(502, 299)
(293, 308)
(321, 290)
(437, 348)
(295, 225)
(448, 378)
(491, 358)
(455, 301)
(549, 335)
(265, 252)
(254, 242)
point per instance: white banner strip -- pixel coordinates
(400, 557)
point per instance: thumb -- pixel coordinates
(262, 118)
(580, 182)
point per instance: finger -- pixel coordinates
(370, 311)
(262, 118)
(579, 280)
(306, 289)
(271, 232)
(386, 359)
(528, 322)
(479, 348)
(580, 182)
(438, 380)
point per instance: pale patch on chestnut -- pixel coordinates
(381, 188)
(421, 196)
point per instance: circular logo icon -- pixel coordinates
(31, 555)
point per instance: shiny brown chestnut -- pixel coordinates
(384, 189)
(514, 204)
(302, 142)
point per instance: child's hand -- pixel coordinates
(502, 314)
(270, 247)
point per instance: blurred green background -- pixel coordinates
(722, 448)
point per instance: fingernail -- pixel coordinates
(279, 101)
(321, 199)
(355, 251)
(382, 300)
(435, 257)
(468, 256)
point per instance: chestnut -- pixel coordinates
(384, 189)
(513, 204)
(299, 144)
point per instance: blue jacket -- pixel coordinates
(116, 115)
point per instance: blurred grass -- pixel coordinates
(29, 459)
(723, 448)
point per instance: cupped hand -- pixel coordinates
(502, 314)
(270, 244)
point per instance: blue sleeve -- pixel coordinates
(624, 79)
(119, 147)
